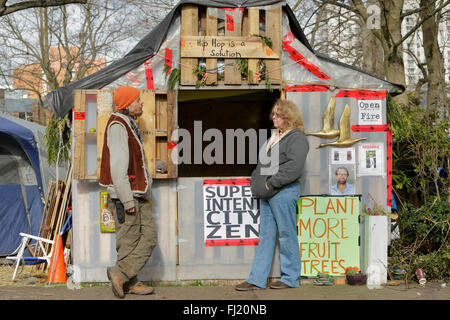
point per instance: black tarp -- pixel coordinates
(61, 100)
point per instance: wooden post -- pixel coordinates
(232, 71)
(104, 111)
(172, 169)
(79, 132)
(211, 30)
(273, 31)
(147, 127)
(253, 29)
(189, 27)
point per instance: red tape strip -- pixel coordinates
(389, 167)
(297, 57)
(378, 128)
(79, 115)
(227, 182)
(307, 88)
(171, 145)
(149, 74)
(230, 24)
(231, 242)
(369, 127)
(168, 59)
(362, 94)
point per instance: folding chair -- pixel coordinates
(44, 257)
(19, 258)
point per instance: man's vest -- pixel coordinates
(136, 164)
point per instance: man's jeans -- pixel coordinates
(278, 214)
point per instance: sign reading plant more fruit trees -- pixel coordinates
(328, 234)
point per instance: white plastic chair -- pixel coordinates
(45, 257)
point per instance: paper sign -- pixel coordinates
(328, 234)
(107, 223)
(371, 159)
(231, 213)
(342, 155)
(369, 112)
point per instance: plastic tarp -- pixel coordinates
(61, 100)
(20, 181)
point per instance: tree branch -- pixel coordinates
(419, 24)
(5, 9)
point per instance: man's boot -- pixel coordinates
(140, 289)
(116, 283)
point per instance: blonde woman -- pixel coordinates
(279, 194)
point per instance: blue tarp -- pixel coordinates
(13, 216)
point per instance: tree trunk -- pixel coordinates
(436, 97)
(391, 33)
(373, 55)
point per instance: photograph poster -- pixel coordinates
(342, 155)
(342, 179)
(371, 159)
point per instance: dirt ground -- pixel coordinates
(32, 285)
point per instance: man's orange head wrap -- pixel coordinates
(124, 96)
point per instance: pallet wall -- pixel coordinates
(91, 114)
(234, 36)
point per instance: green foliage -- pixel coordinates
(199, 71)
(173, 76)
(424, 239)
(420, 156)
(53, 146)
(265, 40)
(243, 67)
(420, 149)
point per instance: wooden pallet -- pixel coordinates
(237, 35)
(156, 126)
(59, 198)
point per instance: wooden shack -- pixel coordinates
(203, 71)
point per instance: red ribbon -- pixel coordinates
(297, 57)
(149, 74)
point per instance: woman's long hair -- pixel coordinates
(290, 113)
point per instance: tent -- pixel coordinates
(61, 100)
(24, 176)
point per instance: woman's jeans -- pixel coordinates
(278, 213)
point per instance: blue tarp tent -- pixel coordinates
(21, 185)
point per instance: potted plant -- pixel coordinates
(354, 276)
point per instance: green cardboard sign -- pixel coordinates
(328, 234)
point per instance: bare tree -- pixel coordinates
(388, 31)
(51, 47)
(6, 9)
(437, 102)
